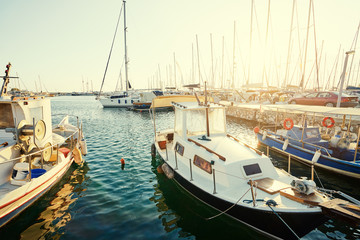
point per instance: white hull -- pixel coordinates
(124, 102)
(14, 202)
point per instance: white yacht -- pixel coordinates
(126, 98)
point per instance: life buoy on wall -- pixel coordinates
(286, 121)
(325, 124)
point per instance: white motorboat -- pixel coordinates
(33, 155)
(231, 176)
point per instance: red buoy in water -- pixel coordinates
(122, 161)
(256, 129)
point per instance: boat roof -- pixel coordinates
(166, 101)
(297, 108)
(313, 109)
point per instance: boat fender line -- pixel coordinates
(271, 203)
(83, 146)
(328, 125)
(168, 171)
(316, 156)
(77, 155)
(153, 150)
(285, 145)
(264, 135)
(159, 169)
(290, 121)
(221, 213)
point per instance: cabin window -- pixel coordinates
(6, 116)
(125, 101)
(119, 101)
(203, 164)
(179, 149)
(132, 101)
(252, 169)
(196, 122)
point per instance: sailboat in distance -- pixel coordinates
(124, 99)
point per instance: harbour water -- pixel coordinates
(103, 200)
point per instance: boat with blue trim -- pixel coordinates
(323, 144)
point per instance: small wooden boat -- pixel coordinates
(231, 176)
(33, 155)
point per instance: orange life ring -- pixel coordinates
(286, 123)
(332, 122)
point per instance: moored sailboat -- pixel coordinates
(126, 98)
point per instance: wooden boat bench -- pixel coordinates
(270, 185)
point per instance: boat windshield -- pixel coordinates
(217, 120)
(6, 116)
(196, 121)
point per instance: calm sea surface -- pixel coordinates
(102, 200)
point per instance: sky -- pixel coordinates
(64, 45)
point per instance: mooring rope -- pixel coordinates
(272, 202)
(221, 213)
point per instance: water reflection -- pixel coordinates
(57, 215)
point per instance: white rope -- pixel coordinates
(221, 213)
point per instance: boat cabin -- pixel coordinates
(193, 119)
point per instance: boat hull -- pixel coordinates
(19, 202)
(125, 102)
(348, 168)
(265, 222)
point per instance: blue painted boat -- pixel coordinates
(305, 151)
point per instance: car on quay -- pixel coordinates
(325, 98)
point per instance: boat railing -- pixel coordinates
(299, 140)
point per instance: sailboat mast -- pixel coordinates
(197, 45)
(175, 71)
(306, 44)
(289, 45)
(126, 59)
